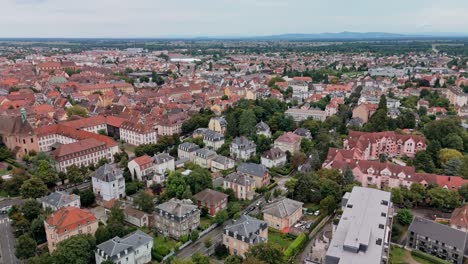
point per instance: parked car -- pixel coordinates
(317, 213)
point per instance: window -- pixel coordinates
(381, 226)
(384, 202)
(379, 241)
(383, 214)
(349, 205)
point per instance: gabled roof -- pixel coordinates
(460, 217)
(247, 227)
(177, 207)
(288, 137)
(282, 208)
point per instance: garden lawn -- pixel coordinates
(283, 240)
(205, 222)
(168, 242)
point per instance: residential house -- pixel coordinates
(274, 157)
(288, 142)
(214, 201)
(57, 200)
(218, 124)
(108, 183)
(257, 171)
(204, 157)
(364, 111)
(282, 214)
(67, 222)
(243, 233)
(302, 114)
(303, 133)
(141, 168)
(263, 129)
(243, 185)
(136, 217)
(176, 218)
(134, 248)
(242, 148)
(459, 218)
(213, 140)
(220, 163)
(439, 240)
(163, 162)
(187, 150)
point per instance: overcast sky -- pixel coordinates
(171, 18)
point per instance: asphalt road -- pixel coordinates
(4, 202)
(7, 242)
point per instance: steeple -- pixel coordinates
(23, 115)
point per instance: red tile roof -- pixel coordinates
(70, 218)
(460, 217)
(289, 137)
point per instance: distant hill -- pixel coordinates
(341, 35)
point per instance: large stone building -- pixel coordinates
(18, 135)
(134, 248)
(176, 218)
(67, 222)
(437, 239)
(243, 233)
(282, 214)
(363, 233)
(108, 183)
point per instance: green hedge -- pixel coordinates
(427, 257)
(295, 246)
(272, 185)
(317, 221)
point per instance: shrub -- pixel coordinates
(427, 257)
(295, 246)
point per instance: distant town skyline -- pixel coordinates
(226, 18)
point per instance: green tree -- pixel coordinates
(397, 196)
(423, 162)
(348, 176)
(379, 120)
(268, 252)
(221, 217)
(76, 110)
(463, 191)
(452, 167)
(198, 258)
(25, 247)
(247, 123)
(306, 145)
(328, 204)
(404, 217)
(194, 235)
(263, 143)
(233, 259)
(31, 209)
(447, 154)
(463, 169)
(46, 172)
(144, 201)
(74, 174)
(87, 197)
(38, 230)
(175, 185)
(77, 249)
(33, 188)
(199, 180)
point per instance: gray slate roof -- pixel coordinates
(443, 233)
(118, 245)
(177, 207)
(107, 173)
(247, 227)
(243, 142)
(282, 208)
(59, 199)
(253, 169)
(162, 158)
(262, 126)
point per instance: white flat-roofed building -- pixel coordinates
(363, 233)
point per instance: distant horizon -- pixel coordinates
(295, 35)
(225, 18)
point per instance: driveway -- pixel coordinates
(7, 242)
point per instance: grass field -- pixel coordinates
(403, 256)
(283, 240)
